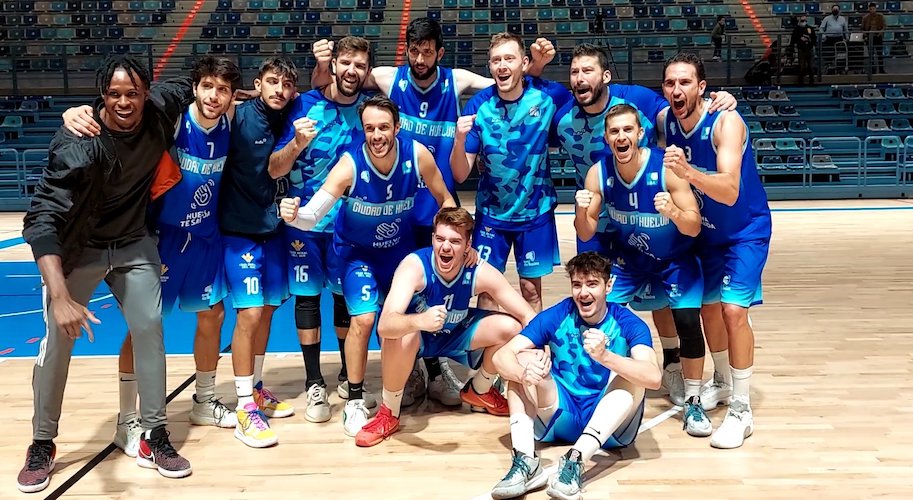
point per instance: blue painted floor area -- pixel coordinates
(22, 324)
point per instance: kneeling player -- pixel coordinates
(427, 314)
(589, 391)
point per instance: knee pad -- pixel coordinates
(341, 317)
(688, 325)
(307, 312)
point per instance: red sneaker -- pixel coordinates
(382, 426)
(39, 462)
(492, 401)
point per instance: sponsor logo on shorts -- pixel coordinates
(248, 259)
(296, 250)
(486, 232)
(726, 281)
(530, 258)
(674, 291)
(164, 277)
(207, 293)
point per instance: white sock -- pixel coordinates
(692, 387)
(258, 368)
(611, 412)
(128, 391)
(482, 380)
(205, 385)
(741, 381)
(244, 386)
(393, 400)
(669, 342)
(521, 434)
(721, 368)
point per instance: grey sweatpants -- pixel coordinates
(133, 274)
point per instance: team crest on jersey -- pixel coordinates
(467, 278)
(673, 127)
(407, 166)
(705, 133)
(297, 245)
(402, 85)
(653, 179)
(365, 176)
(610, 181)
(534, 111)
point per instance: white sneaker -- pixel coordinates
(674, 384)
(318, 408)
(343, 391)
(446, 388)
(737, 426)
(212, 412)
(715, 393)
(695, 422)
(354, 417)
(127, 436)
(415, 386)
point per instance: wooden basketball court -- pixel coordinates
(830, 393)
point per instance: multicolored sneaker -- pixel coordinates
(342, 390)
(156, 452)
(492, 401)
(694, 421)
(269, 404)
(318, 408)
(39, 462)
(354, 417)
(212, 412)
(382, 426)
(253, 429)
(525, 475)
(127, 435)
(568, 482)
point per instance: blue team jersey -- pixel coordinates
(640, 227)
(429, 117)
(749, 218)
(582, 134)
(561, 328)
(454, 295)
(377, 214)
(511, 139)
(191, 203)
(338, 126)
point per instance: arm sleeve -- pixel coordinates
(68, 158)
(314, 210)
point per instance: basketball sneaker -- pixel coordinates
(694, 421)
(492, 401)
(127, 436)
(524, 475)
(715, 393)
(156, 452)
(354, 417)
(269, 404)
(674, 383)
(446, 388)
(567, 483)
(212, 412)
(253, 429)
(318, 408)
(415, 386)
(39, 462)
(382, 426)
(737, 426)
(342, 390)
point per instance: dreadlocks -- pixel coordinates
(114, 61)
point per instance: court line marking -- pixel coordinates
(649, 424)
(23, 275)
(34, 311)
(11, 242)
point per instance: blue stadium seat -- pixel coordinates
(901, 124)
(798, 126)
(894, 93)
(885, 108)
(905, 107)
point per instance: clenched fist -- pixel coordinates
(663, 204)
(305, 131)
(288, 209)
(464, 125)
(433, 319)
(323, 51)
(583, 198)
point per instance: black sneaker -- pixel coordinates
(156, 452)
(39, 462)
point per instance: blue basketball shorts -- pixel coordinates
(312, 263)
(192, 272)
(535, 248)
(256, 270)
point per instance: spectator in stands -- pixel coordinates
(719, 31)
(833, 29)
(873, 26)
(599, 23)
(803, 42)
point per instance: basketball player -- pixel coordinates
(87, 223)
(713, 153)
(320, 126)
(579, 128)
(373, 228)
(427, 313)
(428, 96)
(589, 390)
(656, 218)
(509, 121)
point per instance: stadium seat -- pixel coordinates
(787, 144)
(765, 110)
(872, 94)
(776, 126)
(777, 95)
(885, 108)
(755, 128)
(745, 110)
(863, 108)
(850, 93)
(788, 110)
(894, 93)
(823, 162)
(877, 125)
(901, 124)
(905, 107)
(798, 126)
(764, 145)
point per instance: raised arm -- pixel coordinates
(305, 218)
(679, 205)
(461, 161)
(432, 178)
(588, 205)
(722, 185)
